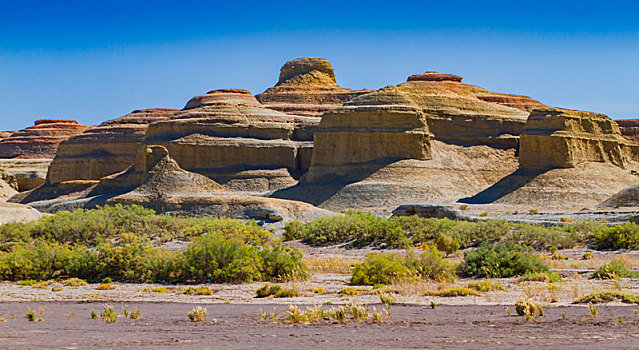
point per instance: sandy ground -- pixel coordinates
(67, 325)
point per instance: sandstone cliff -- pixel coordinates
(555, 137)
(156, 181)
(106, 149)
(629, 128)
(228, 136)
(567, 159)
(628, 197)
(429, 139)
(307, 87)
(40, 140)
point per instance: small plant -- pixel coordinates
(483, 214)
(350, 291)
(31, 315)
(433, 305)
(463, 207)
(533, 211)
(357, 311)
(267, 290)
(558, 256)
(198, 314)
(612, 270)
(286, 293)
(451, 292)
(485, 286)
(27, 283)
(158, 290)
(94, 315)
(319, 290)
(125, 312)
(587, 256)
(338, 314)
(528, 308)
(107, 280)
(500, 261)
(594, 312)
(377, 317)
(56, 289)
(563, 316)
(508, 311)
(188, 291)
(74, 282)
(106, 286)
(135, 314)
(564, 219)
(295, 315)
(546, 277)
(388, 300)
(109, 315)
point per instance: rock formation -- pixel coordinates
(629, 128)
(628, 197)
(24, 174)
(429, 139)
(13, 212)
(568, 159)
(231, 138)
(555, 137)
(307, 87)
(40, 140)
(106, 149)
(156, 181)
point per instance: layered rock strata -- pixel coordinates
(555, 137)
(106, 149)
(24, 174)
(228, 136)
(567, 159)
(629, 128)
(307, 87)
(156, 181)
(39, 141)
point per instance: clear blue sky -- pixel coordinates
(93, 61)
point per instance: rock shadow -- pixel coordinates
(510, 183)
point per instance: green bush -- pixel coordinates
(389, 268)
(361, 229)
(500, 261)
(612, 270)
(608, 296)
(624, 236)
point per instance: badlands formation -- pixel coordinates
(432, 139)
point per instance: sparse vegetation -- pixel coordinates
(485, 286)
(350, 291)
(525, 306)
(74, 282)
(275, 291)
(109, 315)
(612, 270)
(451, 292)
(608, 296)
(389, 268)
(198, 314)
(106, 286)
(546, 276)
(318, 290)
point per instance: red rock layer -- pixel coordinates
(307, 87)
(434, 76)
(629, 128)
(40, 140)
(106, 149)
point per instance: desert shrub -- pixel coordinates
(318, 290)
(446, 244)
(106, 286)
(608, 296)
(267, 290)
(388, 268)
(528, 308)
(38, 260)
(546, 276)
(74, 282)
(361, 229)
(485, 286)
(451, 292)
(612, 270)
(625, 236)
(500, 261)
(350, 291)
(198, 314)
(357, 228)
(95, 226)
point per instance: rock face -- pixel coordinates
(629, 128)
(628, 197)
(231, 138)
(567, 159)
(307, 87)
(13, 212)
(24, 174)
(39, 141)
(106, 149)
(156, 181)
(555, 137)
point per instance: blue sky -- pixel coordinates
(96, 61)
